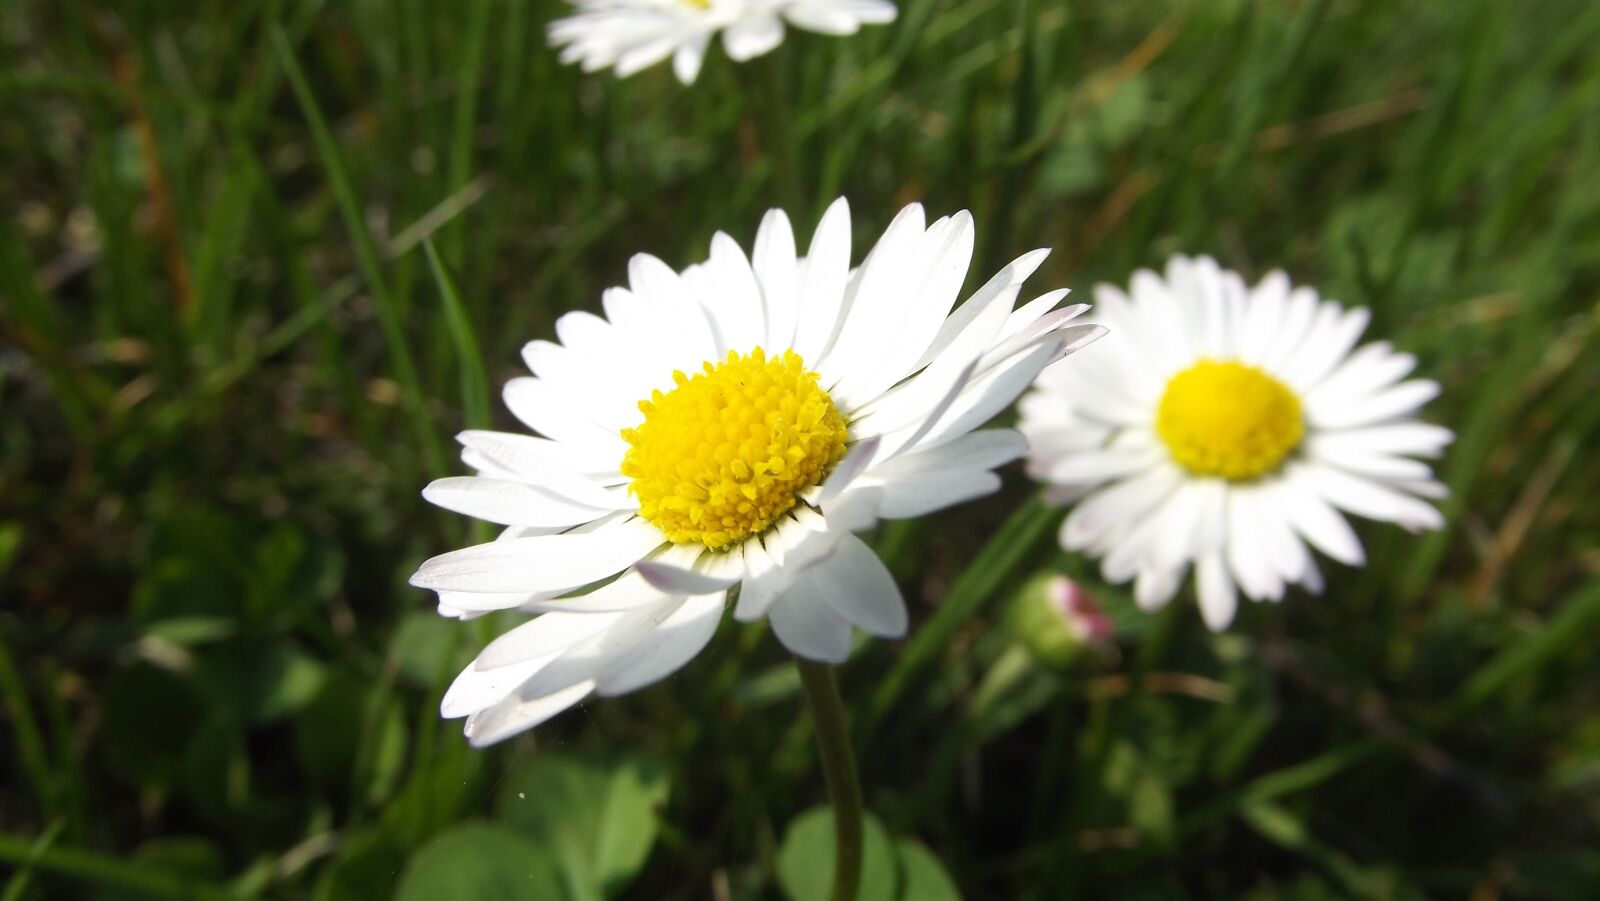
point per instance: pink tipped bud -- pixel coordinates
(1057, 619)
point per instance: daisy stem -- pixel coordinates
(838, 771)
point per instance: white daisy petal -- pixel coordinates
(630, 35)
(990, 393)
(678, 580)
(644, 56)
(1218, 596)
(686, 61)
(628, 591)
(508, 503)
(555, 415)
(986, 449)
(1378, 466)
(1401, 400)
(921, 494)
(1127, 500)
(975, 323)
(477, 689)
(1247, 548)
(943, 476)
(1154, 587)
(858, 586)
(849, 469)
(542, 637)
(777, 271)
(921, 301)
(1370, 499)
(823, 19)
(668, 647)
(808, 626)
(550, 465)
(514, 715)
(1333, 350)
(878, 299)
(750, 38)
(733, 296)
(827, 267)
(542, 563)
(585, 660)
(856, 510)
(908, 422)
(1319, 523)
(1415, 439)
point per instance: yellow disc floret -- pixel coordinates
(726, 452)
(1230, 420)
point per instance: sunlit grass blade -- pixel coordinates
(30, 740)
(1573, 621)
(366, 253)
(474, 379)
(981, 578)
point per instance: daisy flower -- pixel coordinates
(1226, 427)
(732, 425)
(630, 35)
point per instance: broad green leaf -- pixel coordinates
(479, 862)
(260, 684)
(429, 649)
(599, 818)
(366, 866)
(923, 876)
(805, 861)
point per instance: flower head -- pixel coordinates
(1225, 427)
(732, 425)
(630, 35)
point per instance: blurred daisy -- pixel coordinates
(732, 425)
(1226, 427)
(630, 35)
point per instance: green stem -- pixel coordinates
(106, 871)
(838, 771)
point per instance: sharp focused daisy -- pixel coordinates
(1225, 427)
(630, 35)
(732, 425)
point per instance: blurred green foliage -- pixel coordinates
(261, 258)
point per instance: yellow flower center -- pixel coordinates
(699, 4)
(727, 451)
(1228, 419)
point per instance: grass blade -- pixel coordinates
(366, 252)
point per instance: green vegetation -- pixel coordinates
(260, 259)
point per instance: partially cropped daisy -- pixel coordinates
(732, 425)
(1226, 427)
(630, 35)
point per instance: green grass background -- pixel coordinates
(227, 367)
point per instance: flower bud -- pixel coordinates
(1057, 620)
